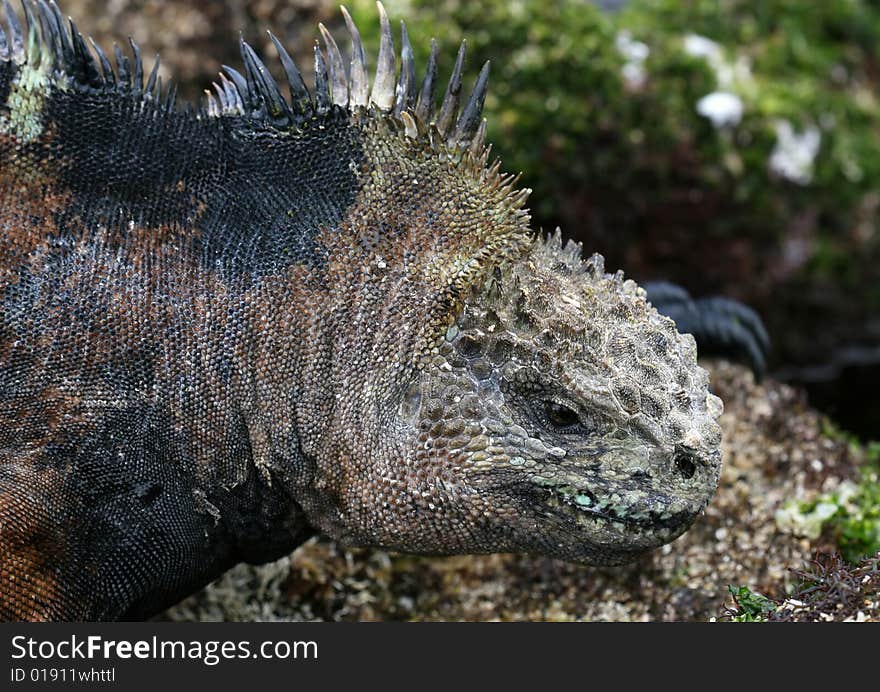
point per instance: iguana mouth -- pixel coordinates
(638, 518)
(584, 506)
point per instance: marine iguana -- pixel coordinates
(229, 326)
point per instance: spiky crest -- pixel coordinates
(254, 94)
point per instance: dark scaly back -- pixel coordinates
(186, 291)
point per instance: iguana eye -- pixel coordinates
(560, 417)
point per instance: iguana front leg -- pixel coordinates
(106, 522)
(96, 525)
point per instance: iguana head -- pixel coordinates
(557, 414)
(565, 415)
(493, 391)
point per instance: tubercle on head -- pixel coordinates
(553, 296)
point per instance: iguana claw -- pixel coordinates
(721, 326)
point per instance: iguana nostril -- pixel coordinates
(684, 464)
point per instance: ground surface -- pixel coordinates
(775, 451)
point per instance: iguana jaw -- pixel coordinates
(598, 518)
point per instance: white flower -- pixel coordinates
(634, 74)
(701, 47)
(727, 73)
(791, 519)
(634, 53)
(722, 108)
(794, 153)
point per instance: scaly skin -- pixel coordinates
(227, 329)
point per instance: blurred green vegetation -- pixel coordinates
(848, 516)
(749, 606)
(600, 112)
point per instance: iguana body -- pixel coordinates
(226, 328)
